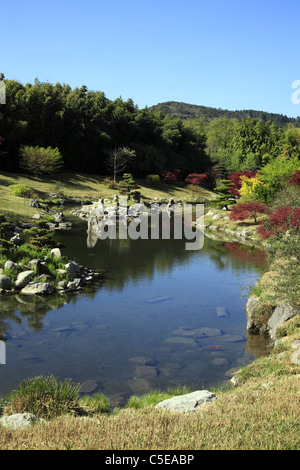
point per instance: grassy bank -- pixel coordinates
(260, 414)
(75, 186)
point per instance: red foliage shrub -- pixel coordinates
(235, 180)
(247, 210)
(196, 179)
(281, 220)
(170, 176)
(295, 178)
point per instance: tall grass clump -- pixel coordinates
(44, 397)
(154, 397)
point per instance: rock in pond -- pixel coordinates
(38, 288)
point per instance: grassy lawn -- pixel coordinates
(78, 186)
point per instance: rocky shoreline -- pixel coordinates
(33, 278)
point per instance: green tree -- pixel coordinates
(40, 160)
(224, 197)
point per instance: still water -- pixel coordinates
(163, 317)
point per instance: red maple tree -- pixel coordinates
(280, 220)
(196, 179)
(248, 210)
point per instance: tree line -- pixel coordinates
(86, 127)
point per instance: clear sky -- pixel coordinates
(227, 54)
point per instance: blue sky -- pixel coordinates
(227, 54)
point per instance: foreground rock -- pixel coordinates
(187, 403)
(38, 288)
(20, 420)
(277, 317)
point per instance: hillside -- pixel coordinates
(191, 111)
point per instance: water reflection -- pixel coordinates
(163, 316)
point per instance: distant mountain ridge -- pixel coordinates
(192, 111)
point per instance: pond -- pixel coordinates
(164, 317)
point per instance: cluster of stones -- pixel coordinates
(209, 222)
(45, 285)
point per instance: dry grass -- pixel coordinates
(263, 417)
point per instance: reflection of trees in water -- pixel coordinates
(126, 261)
(17, 308)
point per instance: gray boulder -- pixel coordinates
(252, 306)
(5, 282)
(35, 264)
(187, 403)
(10, 265)
(281, 314)
(20, 420)
(23, 279)
(73, 269)
(59, 217)
(38, 288)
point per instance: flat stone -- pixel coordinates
(38, 288)
(20, 420)
(187, 403)
(142, 360)
(181, 341)
(221, 361)
(89, 386)
(145, 372)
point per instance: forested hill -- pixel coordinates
(191, 111)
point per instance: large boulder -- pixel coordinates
(187, 403)
(55, 253)
(38, 288)
(281, 314)
(252, 309)
(5, 282)
(23, 279)
(73, 269)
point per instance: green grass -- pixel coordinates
(44, 397)
(77, 186)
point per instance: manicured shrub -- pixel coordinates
(196, 179)
(153, 180)
(170, 176)
(249, 210)
(40, 160)
(224, 199)
(21, 190)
